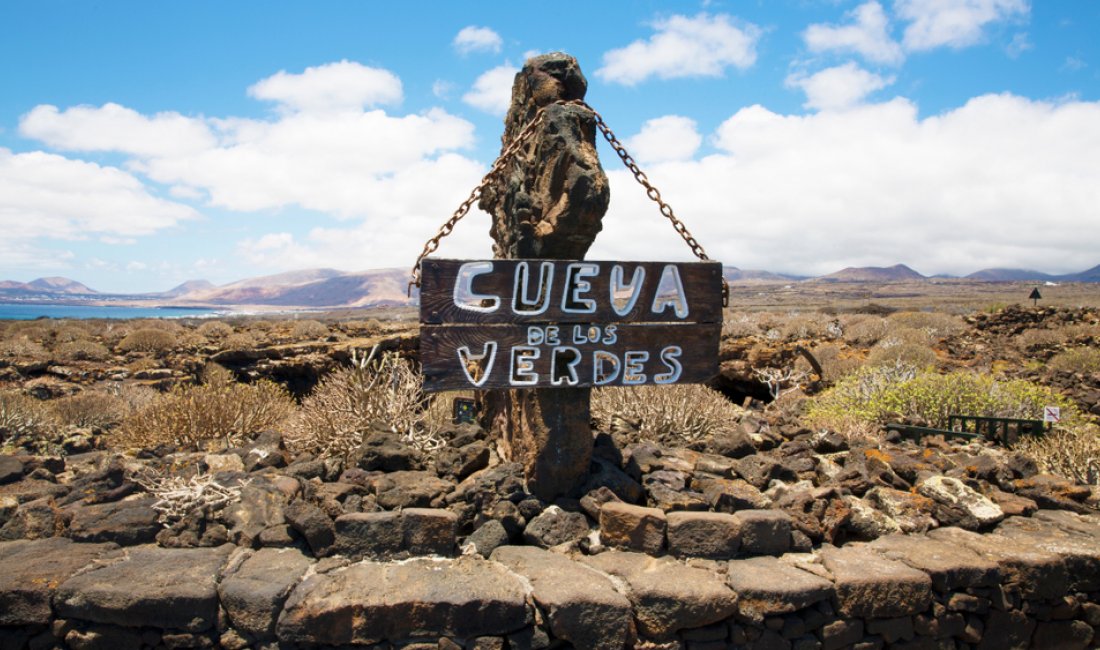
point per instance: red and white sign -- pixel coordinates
(1052, 414)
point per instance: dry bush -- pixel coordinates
(82, 350)
(890, 351)
(1036, 338)
(143, 363)
(1086, 360)
(21, 347)
(370, 327)
(1072, 452)
(217, 410)
(178, 496)
(679, 413)
(309, 329)
(740, 325)
(165, 324)
(259, 325)
(23, 416)
(799, 327)
(91, 408)
(834, 361)
(148, 339)
(69, 332)
(240, 341)
(935, 324)
(31, 330)
(346, 403)
(865, 330)
(214, 330)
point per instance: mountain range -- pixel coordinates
(330, 288)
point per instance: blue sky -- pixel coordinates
(146, 143)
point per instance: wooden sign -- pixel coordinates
(560, 323)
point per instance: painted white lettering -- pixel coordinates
(670, 291)
(464, 296)
(553, 336)
(623, 302)
(601, 375)
(575, 285)
(670, 356)
(523, 366)
(633, 365)
(563, 366)
(522, 302)
(535, 335)
(475, 366)
(609, 335)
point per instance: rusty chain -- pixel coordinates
(514, 146)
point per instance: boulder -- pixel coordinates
(488, 537)
(409, 489)
(959, 505)
(712, 535)
(260, 507)
(866, 522)
(313, 525)
(1036, 573)
(32, 571)
(581, 604)
(369, 602)
(429, 531)
(733, 444)
(632, 527)
(369, 534)
(37, 519)
(1078, 548)
(1054, 492)
(912, 512)
(148, 586)
(555, 526)
(764, 532)
(11, 469)
(667, 595)
(127, 523)
(871, 586)
(385, 451)
(731, 495)
(463, 461)
(766, 586)
(951, 566)
(254, 591)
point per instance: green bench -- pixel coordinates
(1006, 431)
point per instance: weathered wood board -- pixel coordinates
(457, 357)
(569, 291)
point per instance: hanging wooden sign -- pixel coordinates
(559, 323)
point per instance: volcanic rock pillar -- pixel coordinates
(548, 204)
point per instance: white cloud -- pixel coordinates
(868, 35)
(442, 88)
(1000, 181)
(839, 87)
(334, 86)
(477, 39)
(115, 128)
(46, 195)
(699, 46)
(952, 23)
(492, 91)
(662, 139)
(1018, 45)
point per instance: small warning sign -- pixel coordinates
(1052, 414)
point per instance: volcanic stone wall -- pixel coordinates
(1033, 582)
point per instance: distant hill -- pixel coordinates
(311, 288)
(191, 286)
(1091, 275)
(1010, 275)
(896, 273)
(44, 288)
(734, 274)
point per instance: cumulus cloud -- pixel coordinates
(1000, 181)
(477, 39)
(333, 86)
(662, 139)
(952, 23)
(839, 87)
(698, 46)
(492, 91)
(868, 35)
(115, 128)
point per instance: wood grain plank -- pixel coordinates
(702, 286)
(655, 351)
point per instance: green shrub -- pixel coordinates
(1086, 360)
(346, 403)
(218, 410)
(679, 413)
(874, 396)
(149, 339)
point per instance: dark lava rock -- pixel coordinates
(460, 463)
(410, 489)
(11, 469)
(385, 451)
(555, 526)
(312, 524)
(125, 523)
(735, 444)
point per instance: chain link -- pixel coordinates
(514, 146)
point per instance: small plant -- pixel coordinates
(90, 408)
(21, 347)
(1085, 360)
(835, 362)
(776, 379)
(865, 330)
(239, 341)
(218, 410)
(150, 340)
(891, 351)
(681, 413)
(309, 329)
(385, 390)
(934, 324)
(177, 496)
(214, 330)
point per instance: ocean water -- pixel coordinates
(24, 311)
